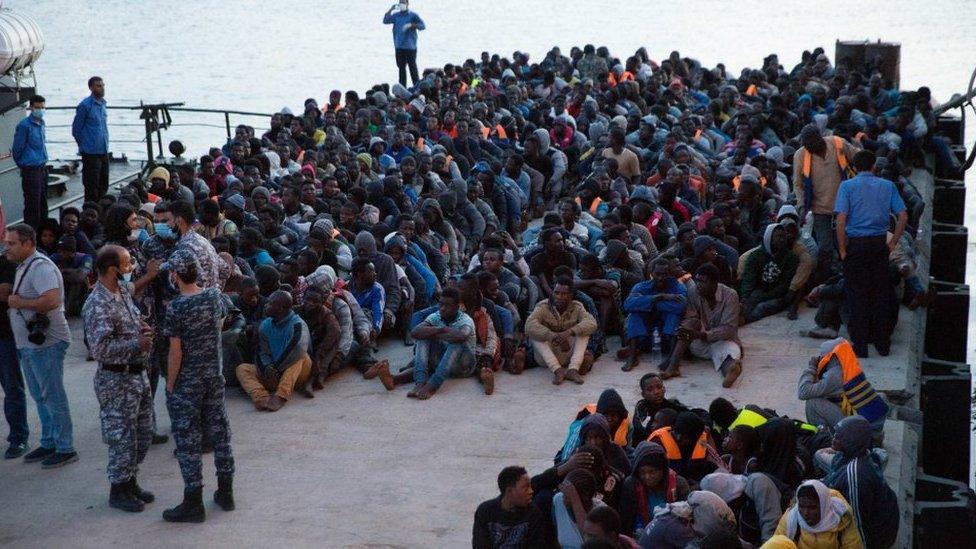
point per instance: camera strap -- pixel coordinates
(20, 281)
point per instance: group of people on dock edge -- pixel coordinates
(676, 203)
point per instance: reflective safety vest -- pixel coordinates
(620, 437)
(755, 420)
(664, 437)
(858, 396)
(846, 172)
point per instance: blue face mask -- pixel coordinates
(163, 230)
(126, 277)
(37, 113)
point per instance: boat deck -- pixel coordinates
(361, 467)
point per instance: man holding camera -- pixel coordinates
(36, 311)
(120, 341)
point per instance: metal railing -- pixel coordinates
(157, 117)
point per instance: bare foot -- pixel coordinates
(274, 404)
(670, 372)
(261, 404)
(386, 378)
(488, 380)
(587, 365)
(518, 362)
(374, 370)
(425, 392)
(632, 362)
(732, 374)
(574, 376)
(305, 390)
(558, 376)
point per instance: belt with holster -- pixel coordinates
(134, 368)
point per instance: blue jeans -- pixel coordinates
(446, 359)
(14, 400)
(44, 372)
(823, 233)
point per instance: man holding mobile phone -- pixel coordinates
(405, 26)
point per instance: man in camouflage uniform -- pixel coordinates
(120, 342)
(195, 387)
(155, 297)
(214, 271)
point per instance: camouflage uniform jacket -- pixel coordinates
(112, 326)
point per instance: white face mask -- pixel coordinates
(402, 7)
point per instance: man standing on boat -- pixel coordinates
(29, 151)
(405, 26)
(90, 130)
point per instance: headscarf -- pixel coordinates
(727, 486)
(767, 240)
(832, 508)
(365, 241)
(323, 278)
(710, 513)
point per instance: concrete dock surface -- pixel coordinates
(358, 466)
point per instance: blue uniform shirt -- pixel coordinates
(403, 38)
(29, 149)
(90, 126)
(868, 201)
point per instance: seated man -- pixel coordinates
(834, 387)
(687, 447)
(445, 343)
(511, 519)
(764, 288)
(324, 329)
(559, 330)
(612, 407)
(283, 364)
(368, 293)
(75, 269)
(710, 327)
(656, 304)
(647, 408)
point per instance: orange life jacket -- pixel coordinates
(594, 206)
(620, 437)
(735, 182)
(858, 396)
(751, 90)
(420, 144)
(845, 170)
(664, 437)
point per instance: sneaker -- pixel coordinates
(14, 451)
(159, 439)
(860, 351)
(884, 349)
(39, 454)
(58, 459)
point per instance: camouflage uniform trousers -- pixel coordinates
(127, 421)
(196, 409)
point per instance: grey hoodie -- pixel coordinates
(386, 273)
(559, 162)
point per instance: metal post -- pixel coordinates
(149, 145)
(227, 123)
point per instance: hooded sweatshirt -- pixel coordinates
(559, 161)
(636, 514)
(859, 478)
(283, 343)
(386, 273)
(614, 455)
(769, 274)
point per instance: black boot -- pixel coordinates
(224, 496)
(143, 495)
(191, 510)
(121, 498)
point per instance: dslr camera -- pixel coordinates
(37, 328)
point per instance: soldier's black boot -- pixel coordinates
(224, 496)
(191, 510)
(143, 495)
(121, 498)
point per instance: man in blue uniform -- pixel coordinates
(405, 26)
